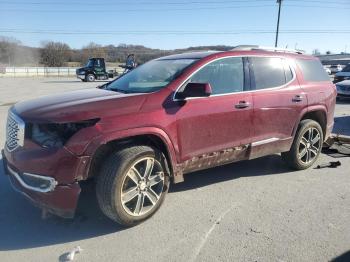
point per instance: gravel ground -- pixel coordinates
(249, 211)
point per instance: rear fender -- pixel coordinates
(308, 110)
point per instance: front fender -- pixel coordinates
(129, 133)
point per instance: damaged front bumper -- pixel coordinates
(44, 191)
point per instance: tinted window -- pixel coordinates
(224, 75)
(313, 70)
(288, 72)
(268, 72)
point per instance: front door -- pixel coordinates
(216, 127)
(99, 68)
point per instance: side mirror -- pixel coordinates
(195, 90)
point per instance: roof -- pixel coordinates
(192, 55)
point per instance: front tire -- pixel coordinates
(90, 78)
(306, 146)
(132, 185)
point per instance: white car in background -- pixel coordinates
(327, 70)
(335, 68)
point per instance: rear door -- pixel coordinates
(278, 101)
(221, 121)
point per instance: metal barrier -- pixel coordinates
(38, 71)
(14, 71)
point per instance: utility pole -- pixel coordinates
(278, 21)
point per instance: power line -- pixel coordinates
(137, 3)
(165, 10)
(168, 9)
(165, 2)
(175, 32)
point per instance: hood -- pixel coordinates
(78, 105)
(81, 69)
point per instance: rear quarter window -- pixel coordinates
(312, 70)
(268, 72)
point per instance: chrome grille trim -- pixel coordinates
(15, 128)
(51, 180)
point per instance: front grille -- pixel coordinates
(14, 131)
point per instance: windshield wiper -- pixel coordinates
(120, 90)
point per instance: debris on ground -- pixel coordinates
(255, 231)
(330, 164)
(70, 256)
(337, 146)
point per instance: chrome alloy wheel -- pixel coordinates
(310, 145)
(142, 186)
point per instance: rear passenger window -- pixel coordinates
(224, 75)
(268, 72)
(313, 70)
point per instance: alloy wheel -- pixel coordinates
(142, 186)
(309, 146)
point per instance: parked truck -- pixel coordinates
(95, 69)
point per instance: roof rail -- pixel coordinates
(265, 48)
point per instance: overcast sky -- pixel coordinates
(169, 24)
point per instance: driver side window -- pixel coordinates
(224, 75)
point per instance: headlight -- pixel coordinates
(56, 135)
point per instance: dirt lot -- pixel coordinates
(249, 211)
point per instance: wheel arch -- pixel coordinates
(318, 114)
(90, 72)
(151, 139)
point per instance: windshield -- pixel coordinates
(151, 76)
(346, 69)
(90, 63)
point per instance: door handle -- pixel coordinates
(242, 104)
(297, 98)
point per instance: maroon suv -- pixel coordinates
(170, 116)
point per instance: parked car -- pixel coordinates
(166, 118)
(335, 68)
(342, 75)
(343, 89)
(327, 70)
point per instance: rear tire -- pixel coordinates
(306, 146)
(132, 185)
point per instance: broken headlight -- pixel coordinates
(56, 135)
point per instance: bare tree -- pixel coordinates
(55, 53)
(92, 50)
(8, 48)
